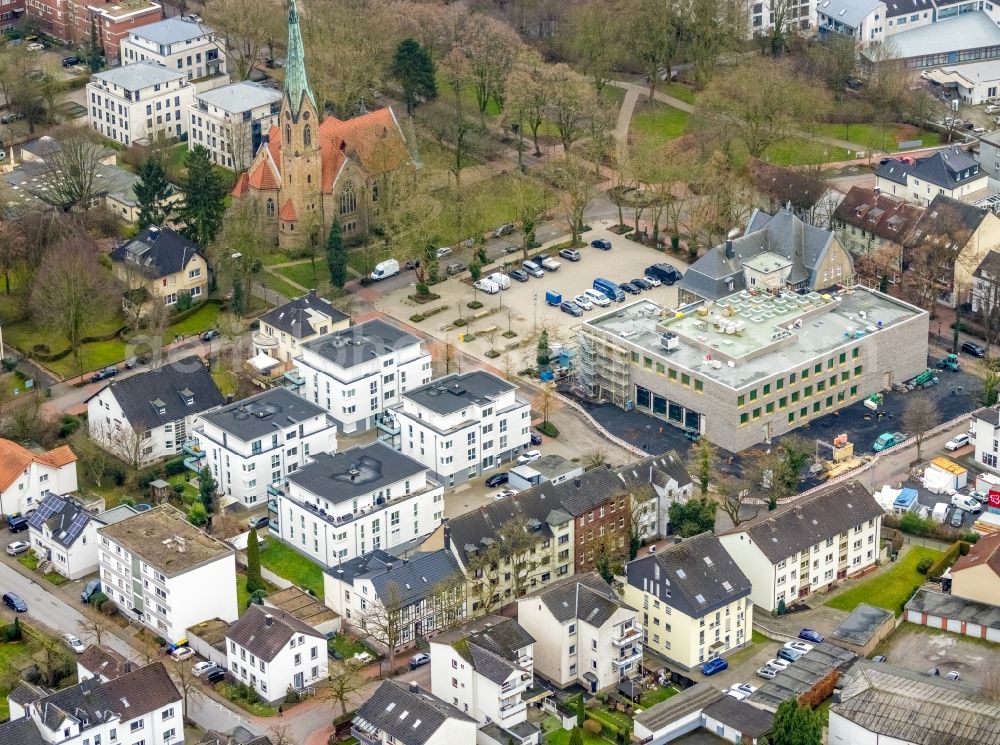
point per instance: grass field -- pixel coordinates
(288, 563)
(11, 654)
(796, 151)
(242, 596)
(655, 696)
(678, 90)
(891, 588)
(344, 646)
(202, 320)
(304, 274)
(277, 284)
(561, 737)
(874, 137)
(656, 123)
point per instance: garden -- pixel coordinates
(288, 563)
(890, 589)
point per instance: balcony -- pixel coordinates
(627, 637)
(365, 738)
(628, 656)
(512, 687)
(262, 340)
(512, 710)
(272, 505)
(274, 491)
(293, 379)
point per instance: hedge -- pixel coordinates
(939, 567)
(175, 466)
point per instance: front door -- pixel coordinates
(297, 681)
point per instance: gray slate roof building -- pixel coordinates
(989, 269)
(800, 676)
(159, 252)
(658, 470)
(584, 597)
(807, 521)
(295, 316)
(904, 706)
(162, 396)
(946, 605)
(685, 703)
(746, 719)
(139, 75)
(411, 579)
(239, 736)
(171, 31)
(696, 576)
(341, 476)
(720, 271)
(406, 712)
(361, 343)
(490, 644)
(266, 631)
(946, 169)
(456, 392)
(104, 661)
(262, 414)
(848, 12)
(991, 415)
(22, 732)
(946, 220)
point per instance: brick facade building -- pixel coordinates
(70, 20)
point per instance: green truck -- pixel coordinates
(887, 440)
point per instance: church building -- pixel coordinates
(311, 170)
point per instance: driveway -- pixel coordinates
(919, 648)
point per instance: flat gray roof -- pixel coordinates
(171, 31)
(801, 675)
(263, 414)
(139, 75)
(454, 393)
(859, 627)
(968, 31)
(355, 472)
(239, 97)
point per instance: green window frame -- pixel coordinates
(791, 378)
(769, 408)
(818, 368)
(820, 386)
(805, 374)
(756, 413)
(635, 357)
(804, 411)
(833, 380)
(744, 418)
(698, 385)
(855, 353)
(807, 391)
(767, 388)
(660, 368)
(843, 357)
(844, 376)
(841, 395)
(741, 400)
(795, 396)
(791, 417)
(858, 369)
(672, 373)
(816, 407)
(685, 379)
(829, 401)
(854, 391)
(783, 402)
(647, 363)
(829, 364)
(779, 383)
(753, 395)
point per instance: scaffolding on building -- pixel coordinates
(603, 368)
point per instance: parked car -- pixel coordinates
(17, 548)
(74, 643)
(519, 274)
(799, 646)
(714, 666)
(789, 654)
(504, 493)
(570, 253)
(602, 244)
(744, 687)
(880, 658)
(104, 374)
(583, 301)
(443, 252)
(456, 267)
(497, 479)
(201, 668)
(17, 522)
(630, 288)
(486, 285)
(974, 349)
(419, 660)
(258, 522)
(93, 587)
(71, 61)
(214, 676)
(991, 109)
(966, 503)
(666, 273)
(811, 636)
(934, 672)
(777, 664)
(653, 281)
(953, 675)
(738, 694)
(767, 673)
(11, 116)
(384, 270)
(181, 653)
(597, 297)
(957, 518)
(528, 457)
(980, 496)
(35, 47)
(568, 306)
(536, 439)
(210, 334)
(532, 268)
(546, 262)
(641, 283)
(510, 248)
(506, 229)
(14, 602)
(958, 441)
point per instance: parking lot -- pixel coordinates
(919, 648)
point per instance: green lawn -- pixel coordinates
(888, 589)
(11, 653)
(344, 646)
(288, 563)
(202, 320)
(655, 696)
(363, 259)
(657, 123)
(561, 737)
(260, 709)
(874, 137)
(242, 596)
(303, 273)
(678, 90)
(277, 284)
(614, 718)
(796, 151)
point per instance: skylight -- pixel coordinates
(728, 587)
(708, 560)
(700, 598)
(681, 574)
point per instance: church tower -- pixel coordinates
(300, 195)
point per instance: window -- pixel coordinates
(137, 725)
(348, 199)
(307, 136)
(270, 207)
(288, 134)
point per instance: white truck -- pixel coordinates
(547, 263)
(383, 269)
(500, 278)
(940, 512)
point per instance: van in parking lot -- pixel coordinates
(666, 273)
(610, 289)
(597, 297)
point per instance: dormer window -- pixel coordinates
(188, 395)
(159, 406)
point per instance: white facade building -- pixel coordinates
(283, 330)
(401, 714)
(807, 545)
(25, 477)
(167, 573)
(345, 505)
(987, 428)
(358, 373)
(583, 633)
(271, 651)
(139, 102)
(254, 443)
(461, 426)
(177, 44)
(230, 121)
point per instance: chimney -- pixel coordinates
(447, 534)
(577, 482)
(268, 620)
(312, 292)
(414, 688)
(388, 566)
(729, 248)
(154, 233)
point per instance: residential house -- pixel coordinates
(405, 714)
(141, 706)
(800, 15)
(551, 468)
(420, 594)
(139, 103)
(976, 576)
(156, 566)
(272, 651)
(875, 227)
(149, 416)
(807, 545)
(240, 735)
(177, 43)
(64, 534)
(10, 11)
(986, 285)
(232, 121)
(461, 426)
(26, 477)
(73, 22)
(669, 480)
(343, 505)
(951, 173)
(948, 244)
(972, 84)
(102, 662)
(695, 601)
(584, 633)
(702, 713)
(774, 251)
(881, 703)
(160, 265)
(358, 373)
(989, 154)
(255, 443)
(483, 668)
(283, 330)
(864, 21)
(987, 428)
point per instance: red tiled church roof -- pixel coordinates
(287, 212)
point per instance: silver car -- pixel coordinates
(583, 301)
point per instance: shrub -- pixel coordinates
(108, 607)
(970, 537)
(924, 564)
(459, 322)
(97, 598)
(548, 428)
(592, 726)
(68, 424)
(12, 632)
(916, 525)
(423, 289)
(174, 467)
(937, 568)
(475, 305)
(178, 489)
(291, 697)
(416, 318)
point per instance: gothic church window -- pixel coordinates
(348, 199)
(288, 134)
(270, 208)
(307, 137)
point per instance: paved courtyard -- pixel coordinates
(919, 648)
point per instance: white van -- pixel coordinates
(940, 512)
(487, 286)
(991, 109)
(500, 279)
(597, 298)
(383, 269)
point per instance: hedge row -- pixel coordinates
(939, 567)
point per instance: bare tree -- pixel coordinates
(571, 102)
(93, 623)
(70, 180)
(125, 442)
(246, 27)
(527, 99)
(639, 500)
(185, 680)
(491, 47)
(544, 400)
(345, 680)
(576, 179)
(920, 415)
(382, 621)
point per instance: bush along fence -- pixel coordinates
(939, 567)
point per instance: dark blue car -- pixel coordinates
(601, 244)
(811, 636)
(714, 666)
(15, 603)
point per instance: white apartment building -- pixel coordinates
(167, 573)
(401, 714)
(343, 505)
(139, 102)
(987, 429)
(25, 477)
(584, 634)
(271, 651)
(482, 668)
(177, 44)
(358, 373)
(806, 545)
(142, 706)
(231, 121)
(149, 416)
(461, 426)
(255, 443)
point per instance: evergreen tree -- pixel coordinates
(575, 738)
(581, 714)
(413, 67)
(238, 302)
(336, 256)
(206, 489)
(544, 353)
(204, 199)
(796, 725)
(254, 581)
(151, 193)
(95, 53)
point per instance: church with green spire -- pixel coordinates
(313, 169)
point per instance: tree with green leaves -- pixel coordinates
(796, 725)
(581, 714)
(575, 738)
(254, 580)
(152, 192)
(336, 256)
(544, 353)
(197, 515)
(475, 270)
(692, 517)
(413, 68)
(94, 53)
(204, 204)
(703, 463)
(206, 489)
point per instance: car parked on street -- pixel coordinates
(74, 643)
(956, 442)
(14, 602)
(104, 374)
(71, 61)
(536, 439)
(597, 297)
(953, 675)
(258, 522)
(35, 46)
(653, 281)
(519, 274)
(777, 664)
(974, 349)
(630, 288)
(210, 334)
(444, 251)
(456, 267)
(533, 269)
(418, 660)
(11, 116)
(713, 666)
(214, 676)
(510, 248)
(496, 479)
(571, 254)
(966, 503)
(504, 493)
(506, 229)
(641, 283)
(17, 548)
(568, 306)
(93, 587)
(602, 244)
(957, 518)
(811, 636)
(792, 655)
